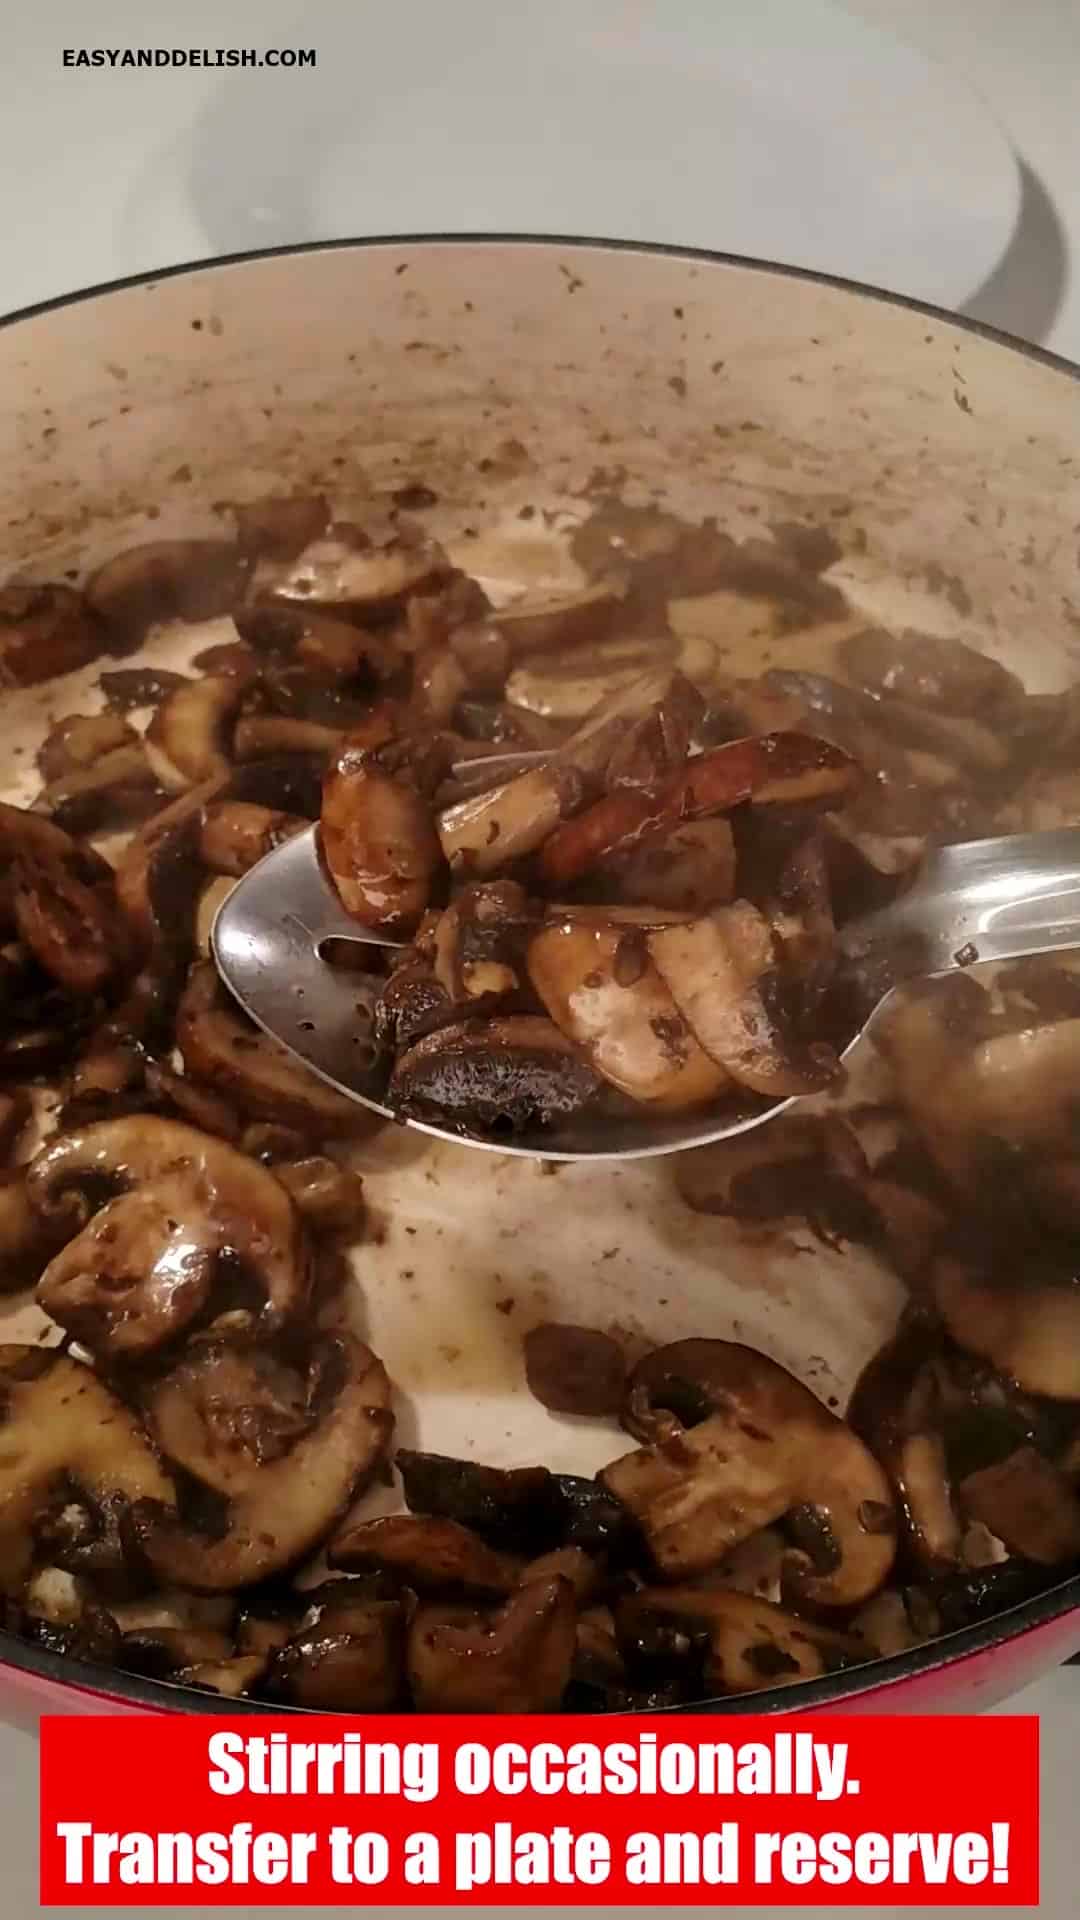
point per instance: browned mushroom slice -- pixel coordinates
(565, 1563)
(347, 570)
(327, 648)
(542, 626)
(517, 1661)
(378, 837)
(126, 688)
(751, 1644)
(498, 1076)
(765, 1447)
(251, 1071)
(45, 631)
(510, 1506)
(139, 1271)
(118, 787)
(801, 1167)
(1026, 1325)
(75, 743)
(329, 1196)
(262, 735)
(235, 835)
(479, 940)
(61, 1420)
(63, 903)
(687, 870)
(347, 1655)
(897, 1409)
(574, 1369)
(721, 972)
(159, 876)
(427, 1554)
(279, 526)
(1029, 1504)
(166, 580)
(185, 741)
(490, 830)
(944, 676)
(226, 1410)
(571, 685)
(252, 1215)
(289, 1504)
(602, 991)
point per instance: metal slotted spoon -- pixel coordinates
(982, 900)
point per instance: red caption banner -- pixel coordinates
(569, 1810)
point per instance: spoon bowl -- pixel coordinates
(981, 900)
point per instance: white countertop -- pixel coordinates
(955, 176)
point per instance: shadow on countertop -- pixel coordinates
(1024, 293)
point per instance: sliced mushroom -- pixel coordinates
(378, 838)
(943, 676)
(488, 831)
(235, 835)
(77, 742)
(139, 1271)
(227, 1410)
(1029, 1504)
(897, 1409)
(284, 1507)
(126, 688)
(800, 1167)
(347, 570)
(517, 1661)
(766, 1447)
(163, 1652)
(541, 626)
(234, 1678)
(59, 1419)
(570, 685)
(118, 787)
(1027, 1325)
(186, 580)
(255, 1074)
(574, 1369)
(185, 741)
(427, 1554)
(45, 631)
(329, 1196)
(159, 876)
(262, 735)
(604, 994)
(493, 1077)
(241, 1204)
(326, 648)
(348, 1655)
(64, 902)
(479, 942)
(722, 973)
(751, 1644)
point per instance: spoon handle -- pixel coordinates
(1002, 899)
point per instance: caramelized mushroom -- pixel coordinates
(329, 1196)
(1027, 1325)
(488, 831)
(348, 1654)
(345, 569)
(63, 903)
(1029, 1504)
(722, 973)
(233, 1200)
(378, 839)
(943, 676)
(766, 1446)
(427, 1554)
(287, 1505)
(255, 1074)
(45, 631)
(602, 992)
(518, 1661)
(185, 739)
(24, 1243)
(280, 526)
(59, 1419)
(492, 1077)
(541, 626)
(186, 580)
